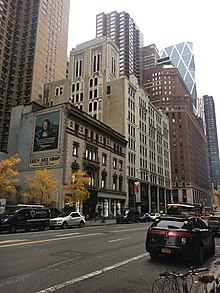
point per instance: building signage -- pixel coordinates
(46, 132)
(44, 161)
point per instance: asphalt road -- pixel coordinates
(93, 259)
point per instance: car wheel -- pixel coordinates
(65, 225)
(13, 229)
(199, 255)
(154, 255)
(81, 224)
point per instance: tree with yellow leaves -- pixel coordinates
(76, 191)
(41, 187)
(8, 174)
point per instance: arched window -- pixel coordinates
(57, 91)
(96, 62)
(90, 107)
(61, 90)
(73, 87)
(95, 106)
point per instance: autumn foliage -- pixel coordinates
(41, 187)
(76, 191)
(8, 174)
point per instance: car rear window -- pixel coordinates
(172, 224)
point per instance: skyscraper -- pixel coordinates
(182, 57)
(33, 50)
(122, 29)
(212, 139)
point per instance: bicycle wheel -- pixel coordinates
(166, 285)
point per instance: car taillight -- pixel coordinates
(166, 233)
(179, 234)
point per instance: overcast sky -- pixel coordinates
(163, 23)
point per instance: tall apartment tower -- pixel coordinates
(182, 57)
(122, 29)
(188, 145)
(33, 50)
(149, 56)
(212, 139)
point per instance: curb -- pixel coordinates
(98, 223)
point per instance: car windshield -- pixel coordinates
(64, 214)
(170, 224)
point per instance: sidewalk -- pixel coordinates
(215, 270)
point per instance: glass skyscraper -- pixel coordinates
(182, 57)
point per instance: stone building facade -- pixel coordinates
(78, 142)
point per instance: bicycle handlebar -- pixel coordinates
(192, 271)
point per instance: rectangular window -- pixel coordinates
(75, 148)
(104, 159)
(108, 90)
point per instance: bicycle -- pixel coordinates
(176, 282)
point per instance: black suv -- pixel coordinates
(26, 218)
(180, 235)
(128, 216)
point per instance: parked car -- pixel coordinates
(186, 236)
(26, 217)
(68, 219)
(214, 222)
(145, 218)
(128, 216)
(154, 216)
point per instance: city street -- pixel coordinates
(108, 258)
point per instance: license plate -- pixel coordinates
(166, 250)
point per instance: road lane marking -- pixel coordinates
(69, 234)
(12, 241)
(92, 274)
(119, 239)
(47, 240)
